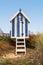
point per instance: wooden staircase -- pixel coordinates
(20, 45)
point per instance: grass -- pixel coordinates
(34, 54)
(22, 61)
(4, 38)
(36, 41)
(6, 46)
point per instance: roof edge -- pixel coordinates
(17, 14)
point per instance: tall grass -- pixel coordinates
(37, 42)
(36, 58)
(3, 38)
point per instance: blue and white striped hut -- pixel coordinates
(19, 27)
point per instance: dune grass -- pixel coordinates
(34, 57)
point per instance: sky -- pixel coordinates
(32, 8)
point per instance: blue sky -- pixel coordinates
(32, 8)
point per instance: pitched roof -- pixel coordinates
(22, 14)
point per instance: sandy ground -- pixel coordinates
(11, 55)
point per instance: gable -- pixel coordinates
(20, 13)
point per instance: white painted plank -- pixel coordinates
(16, 27)
(20, 41)
(20, 50)
(20, 45)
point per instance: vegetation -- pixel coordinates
(34, 54)
(3, 38)
(36, 41)
(6, 45)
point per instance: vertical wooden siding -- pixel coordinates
(26, 27)
(18, 26)
(13, 28)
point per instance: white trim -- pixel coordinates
(16, 46)
(19, 37)
(16, 27)
(17, 14)
(13, 37)
(25, 16)
(25, 46)
(14, 16)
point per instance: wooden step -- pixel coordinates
(20, 45)
(20, 41)
(20, 50)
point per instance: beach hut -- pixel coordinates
(20, 30)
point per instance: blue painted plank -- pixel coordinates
(26, 27)
(18, 26)
(13, 28)
(21, 21)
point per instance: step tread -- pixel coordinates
(20, 50)
(20, 45)
(20, 41)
